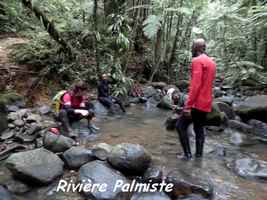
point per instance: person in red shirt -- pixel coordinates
(75, 106)
(199, 101)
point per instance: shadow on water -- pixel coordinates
(145, 125)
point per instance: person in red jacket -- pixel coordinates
(199, 101)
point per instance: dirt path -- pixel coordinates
(18, 77)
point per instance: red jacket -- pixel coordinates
(203, 70)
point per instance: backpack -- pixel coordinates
(57, 101)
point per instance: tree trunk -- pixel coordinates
(96, 41)
(49, 26)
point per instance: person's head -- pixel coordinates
(79, 89)
(104, 77)
(175, 97)
(198, 47)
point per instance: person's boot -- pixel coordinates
(186, 147)
(199, 148)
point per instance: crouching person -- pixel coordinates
(74, 106)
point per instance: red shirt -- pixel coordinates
(203, 70)
(73, 101)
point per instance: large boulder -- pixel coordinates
(57, 143)
(251, 168)
(150, 196)
(215, 117)
(158, 85)
(227, 109)
(149, 91)
(35, 166)
(75, 157)
(254, 107)
(5, 194)
(130, 158)
(98, 172)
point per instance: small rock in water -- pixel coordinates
(150, 196)
(251, 168)
(155, 174)
(5, 194)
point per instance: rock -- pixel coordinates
(171, 121)
(3, 122)
(98, 172)
(254, 107)
(150, 196)
(7, 134)
(100, 109)
(186, 185)
(226, 99)
(130, 158)
(192, 197)
(75, 157)
(158, 85)
(165, 103)
(228, 110)
(44, 110)
(18, 122)
(11, 148)
(217, 92)
(33, 118)
(155, 174)
(101, 151)
(215, 117)
(259, 128)
(35, 166)
(57, 143)
(64, 196)
(12, 108)
(17, 187)
(251, 168)
(5, 194)
(149, 91)
(240, 126)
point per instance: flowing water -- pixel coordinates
(145, 125)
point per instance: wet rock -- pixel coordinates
(35, 166)
(100, 109)
(259, 128)
(101, 151)
(33, 118)
(192, 197)
(150, 196)
(44, 110)
(215, 117)
(254, 107)
(155, 174)
(5, 194)
(217, 92)
(57, 143)
(149, 91)
(251, 168)
(186, 185)
(98, 172)
(158, 85)
(75, 157)
(12, 108)
(226, 99)
(7, 134)
(240, 126)
(18, 122)
(17, 187)
(130, 158)
(64, 196)
(228, 110)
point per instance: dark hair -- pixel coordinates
(81, 85)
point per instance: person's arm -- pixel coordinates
(195, 84)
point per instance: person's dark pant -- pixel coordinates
(109, 102)
(67, 117)
(198, 119)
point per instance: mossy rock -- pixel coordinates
(215, 117)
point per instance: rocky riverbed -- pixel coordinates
(134, 147)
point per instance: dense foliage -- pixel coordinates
(148, 39)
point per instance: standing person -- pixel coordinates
(104, 96)
(199, 101)
(75, 106)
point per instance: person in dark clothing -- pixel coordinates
(104, 96)
(199, 101)
(74, 107)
